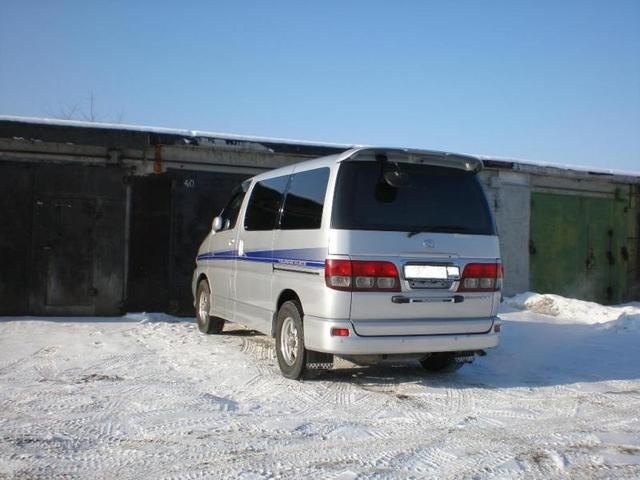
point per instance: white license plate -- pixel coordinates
(431, 272)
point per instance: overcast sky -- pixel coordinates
(555, 81)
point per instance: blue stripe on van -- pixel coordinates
(220, 255)
(304, 257)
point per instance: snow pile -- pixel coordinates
(571, 310)
(626, 321)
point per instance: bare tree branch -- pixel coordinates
(88, 114)
(64, 112)
(119, 116)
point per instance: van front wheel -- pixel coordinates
(290, 341)
(206, 323)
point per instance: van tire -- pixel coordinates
(206, 323)
(441, 362)
(290, 340)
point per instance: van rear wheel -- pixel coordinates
(441, 362)
(290, 341)
(206, 323)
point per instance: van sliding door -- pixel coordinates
(254, 259)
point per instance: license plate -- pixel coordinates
(432, 272)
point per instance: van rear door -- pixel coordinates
(430, 221)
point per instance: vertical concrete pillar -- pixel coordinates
(509, 196)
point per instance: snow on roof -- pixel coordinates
(169, 131)
(561, 166)
(284, 141)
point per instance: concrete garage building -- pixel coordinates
(566, 230)
(100, 219)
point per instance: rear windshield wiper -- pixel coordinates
(439, 228)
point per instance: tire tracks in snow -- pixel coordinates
(171, 403)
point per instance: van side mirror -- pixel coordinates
(217, 224)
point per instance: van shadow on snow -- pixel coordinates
(531, 354)
(241, 332)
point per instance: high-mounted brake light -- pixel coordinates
(361, 275)
(481, 277)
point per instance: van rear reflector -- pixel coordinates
(339, 332)
(361, 275)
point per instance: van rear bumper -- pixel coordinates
(317, 337)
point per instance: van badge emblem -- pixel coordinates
(428, 243)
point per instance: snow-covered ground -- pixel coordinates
(149, 397)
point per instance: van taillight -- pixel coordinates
(481, 277)
(361, 276)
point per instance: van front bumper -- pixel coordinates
(317, 337)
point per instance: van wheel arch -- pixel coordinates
(202, 277)
(285, 296)
(207, 323)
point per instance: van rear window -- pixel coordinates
(425, 199)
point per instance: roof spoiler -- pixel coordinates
(407, 155)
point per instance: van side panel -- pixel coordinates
(254, 270)
(299, 266)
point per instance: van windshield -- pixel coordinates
(429, 199)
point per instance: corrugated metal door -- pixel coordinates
(576, 246)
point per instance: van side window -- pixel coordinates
(305, 199)
(230, 212)
(264, 204)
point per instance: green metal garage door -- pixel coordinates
(578, 246)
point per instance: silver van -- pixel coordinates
(368, 254)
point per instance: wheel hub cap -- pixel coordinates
(203, 308)
(289, 341)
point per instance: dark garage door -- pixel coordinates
(171, 214)
(63, 238)
(16, 186)
(78, 242)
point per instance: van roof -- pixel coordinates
(428, 157)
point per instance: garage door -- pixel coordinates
(578, 246)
